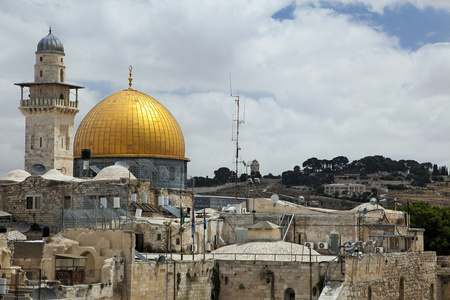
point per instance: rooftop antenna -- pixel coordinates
(236, 139)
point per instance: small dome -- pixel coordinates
(50, 43)
(114, 173)
(56, 175)
(16, 175)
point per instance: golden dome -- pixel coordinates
(130, 124)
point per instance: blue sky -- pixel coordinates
(413, 26)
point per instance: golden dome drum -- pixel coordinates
(130, 124)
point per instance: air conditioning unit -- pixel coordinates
(193, 248)
(322, 245)
(379, 249)
(309, 245)
(124, 180)
(208, 247)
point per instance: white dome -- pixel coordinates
(16, 175)
(114, 173)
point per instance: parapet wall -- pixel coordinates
(187, 279)
(403, 275)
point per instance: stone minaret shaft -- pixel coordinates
(49, 111)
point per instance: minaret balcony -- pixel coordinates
(36, 103)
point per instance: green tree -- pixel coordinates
(435, 221)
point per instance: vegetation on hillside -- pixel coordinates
(435, 221)
(317, 172)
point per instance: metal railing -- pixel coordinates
(244, 256)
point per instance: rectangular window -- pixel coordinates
(177, 241)
(395, 242)
(40, 142)
(40, 58)
(334, 242)
(62, 143)
(33, 202)
(29, 202)
(67, 202)
(158, 237)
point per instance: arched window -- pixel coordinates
(401, 289)
(61, 96)
(369, 293)
(289, 294)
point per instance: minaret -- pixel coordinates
(48, 110)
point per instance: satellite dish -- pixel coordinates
(301, 198)
(349, 250)
(363, 211)
(274, 198)
(384, 201)
(21, 226)
(122, 164)
(373, 201)
(38, 169)
(161, 260)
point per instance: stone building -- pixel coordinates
(347, 189)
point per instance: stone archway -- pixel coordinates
(90, 267)
(289, 294)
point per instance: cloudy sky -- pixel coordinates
(315, 78)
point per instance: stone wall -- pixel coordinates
(163, 235)
(187, 279)
(407, 275)
(244, 280)
(443, 273)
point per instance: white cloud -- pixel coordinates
(318, 85)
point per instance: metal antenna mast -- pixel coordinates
(238, 122)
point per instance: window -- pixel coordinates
(62, 59)
(369, 293)
(40, 142)
(40, 73)
(394, 242)
(177, 241)
(40, 58)
(33, 202)
(158, 237)
(67, 204)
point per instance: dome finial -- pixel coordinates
(130, 79)
(50, 30)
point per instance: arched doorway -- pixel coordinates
(90, 267)
(289, 294)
